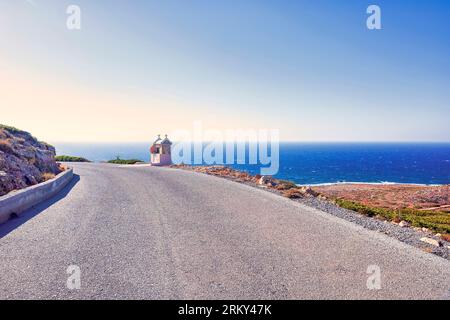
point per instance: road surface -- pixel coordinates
(160, 233)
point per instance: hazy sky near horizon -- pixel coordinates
(309, 68)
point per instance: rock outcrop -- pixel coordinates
(24, 161)
(431, 241)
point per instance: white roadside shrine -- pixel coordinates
(160, 153)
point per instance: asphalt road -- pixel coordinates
(159, 233)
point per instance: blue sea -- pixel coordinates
(320, 163)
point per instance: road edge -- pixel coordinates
(22, 200)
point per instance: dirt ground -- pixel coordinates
(392, 196)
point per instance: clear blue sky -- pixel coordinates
(309, 68)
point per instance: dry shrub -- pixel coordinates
(292, 194)
(5, 146)
(286, 186)
(47, 176)
(397, 219)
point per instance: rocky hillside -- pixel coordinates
(24, 161)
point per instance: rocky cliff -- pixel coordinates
(24, 161)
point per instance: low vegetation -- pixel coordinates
(14, 130)
(5, 146)
(292, 193)
(70, 159)
(125, 161)
(11, 129)
(434, 220)
(285, 185)
(47, 176)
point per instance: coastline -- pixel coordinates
(382, 183)
(309, 164)
(438, 194)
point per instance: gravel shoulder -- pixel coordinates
(407, 235)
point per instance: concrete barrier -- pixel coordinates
(19, 201)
